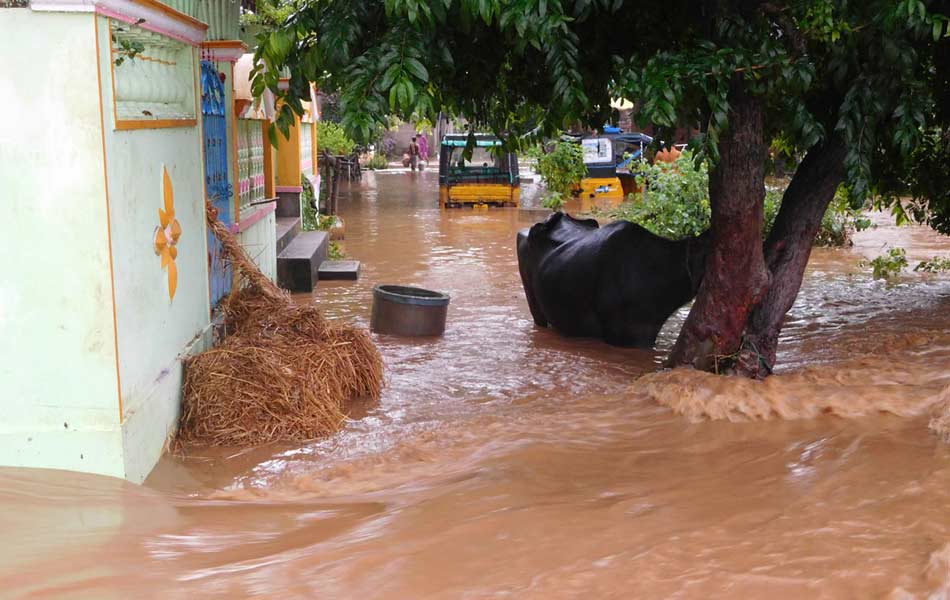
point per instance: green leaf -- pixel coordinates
(417, 69)
(389, 77)
(281, 42)
(484, 9)
(394, 97)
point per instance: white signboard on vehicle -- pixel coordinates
(597, 150)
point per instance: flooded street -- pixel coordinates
(506, 462)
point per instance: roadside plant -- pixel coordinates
(561, 170)
(387, 145)
(335, 251)
(771, 206)
(937, 264)
(377, 162)
(532, 153)
(311, 219)
(782, 157)
(841, 221)
(674, 201)
(309, 213)
(333, 139)
(675, 205)
(269, 14)
(888, 266)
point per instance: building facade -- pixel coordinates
(124, 125)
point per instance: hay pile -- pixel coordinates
(282, 373)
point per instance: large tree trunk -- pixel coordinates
(735, 278)
(788, 249)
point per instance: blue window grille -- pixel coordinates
(217, 188)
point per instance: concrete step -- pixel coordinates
(348, 270)
(298, 265)
(287, 230)
(288, 204)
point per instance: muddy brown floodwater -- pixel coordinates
(506, 462)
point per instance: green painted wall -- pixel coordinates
(222, 17)
(58, 392)
(76, 193)
(154, 332)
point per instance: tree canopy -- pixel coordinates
(870, 70)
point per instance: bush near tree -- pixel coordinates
(332, 138)
(856, 88)
(674, 203)
(561, 170)
(377, 162)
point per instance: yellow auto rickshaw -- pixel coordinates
(488, 177)
(608, 159)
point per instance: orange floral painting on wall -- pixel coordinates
(167, 234)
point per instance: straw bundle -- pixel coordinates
(282, 373)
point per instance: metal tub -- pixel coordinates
(408, 311)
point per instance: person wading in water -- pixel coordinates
(413, 154)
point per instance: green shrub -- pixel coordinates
(377, 162)
(936, 264)
(333, 139)
(335, 251)
(674, 202)
(840, 221)
(309, 214)
(311, 220)
(773, 202)
(560, 170)
(782, 158)
(888, 266)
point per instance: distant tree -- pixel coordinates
(859, 88)
(267, 14)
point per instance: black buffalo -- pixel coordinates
(619, 282)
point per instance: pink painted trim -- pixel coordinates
(195, 40)
(245, 224)
(289, 189)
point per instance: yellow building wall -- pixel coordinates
(288, 158)
(270, 162)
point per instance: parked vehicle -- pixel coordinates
(608, 158)
(488, 177)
